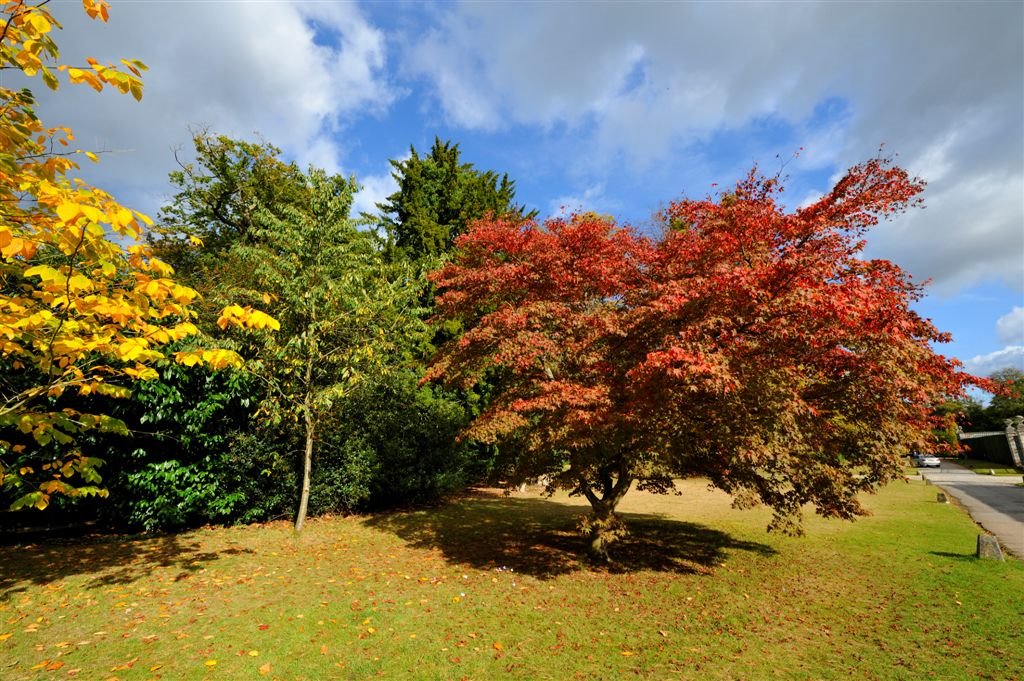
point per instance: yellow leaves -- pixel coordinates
(183, 294)
(261, 320)
(108, 269)
(4, 637)
(230, 316)
(45, 273)
(189, 359)
(210, 663)
(16, 246)
(215, 359)
(96, 318)
(92, 214)
(160, 267)
(142, 373)
(96, 9)
(78, 76)
(265, 669)
(247, 317)
(69, 212)
(79, 282)
(36, 24)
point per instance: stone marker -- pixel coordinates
(941, 498)
(926, 480)
(988, 547)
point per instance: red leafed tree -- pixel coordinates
(749, 345)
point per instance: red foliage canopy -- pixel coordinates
(747, 344)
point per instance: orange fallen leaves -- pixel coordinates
(126, 666)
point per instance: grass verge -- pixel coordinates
(988, 467)
(493, 587)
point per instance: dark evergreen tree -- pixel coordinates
(438, 197)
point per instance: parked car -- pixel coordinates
(925, 460)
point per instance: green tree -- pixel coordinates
(220, 195)
(339, 306)
(438, 197)
(385, 441)
(1009, 402)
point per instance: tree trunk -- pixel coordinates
(307, 411)
(307, 468)
(604, 526)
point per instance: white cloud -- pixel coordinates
(941, 84)
(1010, 327)
(239, 68)
(374, 189)
(1011, 357)
(593, 198)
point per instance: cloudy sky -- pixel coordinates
(613, 107)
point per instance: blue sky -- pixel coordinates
(613, 107)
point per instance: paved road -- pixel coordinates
(994, 501)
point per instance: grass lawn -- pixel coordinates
(491, 587)
(988, 467)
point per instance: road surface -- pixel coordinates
(994, 501)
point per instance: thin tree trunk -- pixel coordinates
(307, 468)
(307, 411)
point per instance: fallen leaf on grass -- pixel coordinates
(211, 663)
(54, 666)
(628, 653)
(498, 646)
(264, 627)
(265, 669)
(4, 637)
(253, 653)
(127, 665)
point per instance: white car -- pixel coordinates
(926, 460)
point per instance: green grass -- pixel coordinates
(492, 587)
(988, 467)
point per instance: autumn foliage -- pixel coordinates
(85, 308)
(748, 344)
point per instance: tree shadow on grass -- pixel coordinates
(540, 538)
(110, 560)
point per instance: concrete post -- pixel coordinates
(1018, 425)
(1013, 438)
